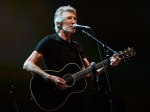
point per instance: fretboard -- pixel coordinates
(86, 71)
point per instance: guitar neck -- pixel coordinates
(86, 71)
(126, 54)
(101, 64)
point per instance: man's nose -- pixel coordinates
(73, 21)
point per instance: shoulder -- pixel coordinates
(49, 38)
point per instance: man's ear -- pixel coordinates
(59, 25)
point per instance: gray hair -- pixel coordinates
(58, 18)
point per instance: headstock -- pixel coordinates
(127, 54)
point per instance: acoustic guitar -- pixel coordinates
(49, 98)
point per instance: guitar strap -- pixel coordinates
(76, 44)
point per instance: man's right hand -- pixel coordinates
(58, 82)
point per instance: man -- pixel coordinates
(57, 51)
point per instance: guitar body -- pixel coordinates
(47, 96)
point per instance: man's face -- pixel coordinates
(68, 20)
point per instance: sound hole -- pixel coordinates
(69, 80)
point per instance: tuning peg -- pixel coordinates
(120, 52)
(129, 48)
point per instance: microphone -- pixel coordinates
(80, 26)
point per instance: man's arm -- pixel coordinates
(30, 66)
(87, 64)
(114, 61)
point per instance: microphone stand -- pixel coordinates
(11, 93)
(94, 77)
(107, 51)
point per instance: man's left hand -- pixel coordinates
(115, 60)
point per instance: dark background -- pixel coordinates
(119, 24)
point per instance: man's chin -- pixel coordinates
(73, 31)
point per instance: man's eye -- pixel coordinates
(69, 17)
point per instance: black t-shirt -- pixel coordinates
(58, 52)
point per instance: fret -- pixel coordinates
(86, 71)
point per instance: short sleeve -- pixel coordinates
(42, 45)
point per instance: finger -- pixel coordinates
(56, 80)
(119, 58)
(62, 80)
(114, 55)
(63, 87)
(55, 83)
(62, 84)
